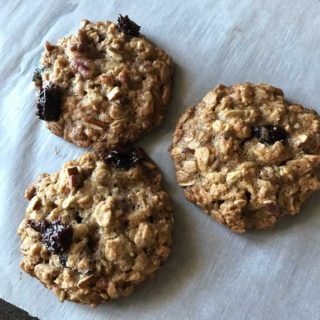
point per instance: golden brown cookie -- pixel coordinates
(247, 156)
(98, 227)
(105, 83)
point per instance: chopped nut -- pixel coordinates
(123, 78)
(72, 171)
(114, 94)
(106, 79)
(75, 181)
(187, 150)
(37, 204)
(95, 123)
(49, 47)
(187, 184)
(84, 66)
(82, 283)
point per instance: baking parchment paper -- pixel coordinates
(212, 273)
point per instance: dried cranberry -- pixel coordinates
(49, 103)
(269, 134)
(127, 26)
(56, 236)
(122, 157)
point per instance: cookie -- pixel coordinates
(105, 83)
(98, 227)
(247, 156)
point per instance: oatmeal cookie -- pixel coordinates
(105, 83)
(98, 227)
(247, 156)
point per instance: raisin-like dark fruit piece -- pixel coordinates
(122, 157)
(269, 134)
(49, 103)
(127, 26)
(56, 236)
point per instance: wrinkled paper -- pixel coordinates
(212, 273)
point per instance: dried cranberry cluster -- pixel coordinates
(124, 157)
(127, 26)
(49, 103)
(269, 134)
(56, 236)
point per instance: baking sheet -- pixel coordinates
(211, 273)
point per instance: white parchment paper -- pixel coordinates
(212, 273)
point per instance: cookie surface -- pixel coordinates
(105, 83)
(247, 156)
(95, 229)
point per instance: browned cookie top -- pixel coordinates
(105, 83)
(95, 229)
(247, 156)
